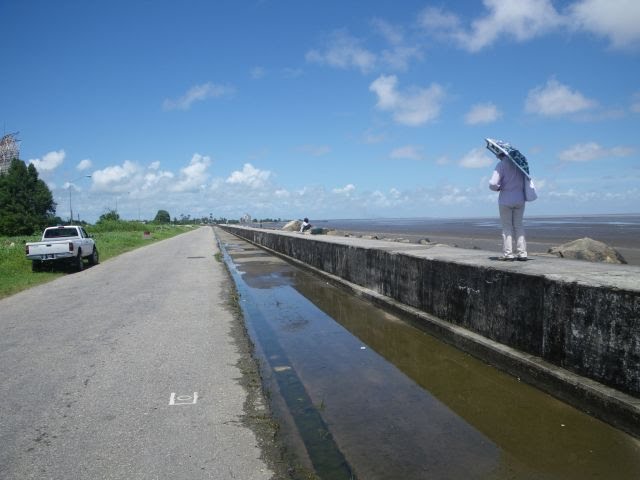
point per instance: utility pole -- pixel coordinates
(70, 206)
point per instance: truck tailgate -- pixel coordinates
(48, 250)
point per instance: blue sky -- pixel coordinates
(326, 109)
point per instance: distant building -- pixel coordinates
(246, 218)
(9, 150)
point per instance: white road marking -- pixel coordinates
(183, 399)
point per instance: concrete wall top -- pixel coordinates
(619, 277)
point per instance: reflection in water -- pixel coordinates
(400, 404)
(533, 429)
(328, 460)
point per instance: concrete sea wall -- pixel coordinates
(570, 327)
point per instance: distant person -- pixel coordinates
(509, 181)
(305, 225)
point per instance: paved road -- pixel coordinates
(89, 364)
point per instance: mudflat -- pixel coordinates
(621, 232)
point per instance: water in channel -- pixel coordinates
(364, 394)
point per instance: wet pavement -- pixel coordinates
(362, 393)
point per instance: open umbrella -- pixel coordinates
(498, 147)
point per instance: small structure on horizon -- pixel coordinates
(9, 150)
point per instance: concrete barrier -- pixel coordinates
(569, 327)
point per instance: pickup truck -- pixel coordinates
(68, 244)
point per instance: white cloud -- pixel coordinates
(235, 199)
(315, 150)
(116, 177)
(595, 198)
(476, 158)
(413, 107)
(74, 186)
(586, 152)
(84, 164)
(635, 102)
(482, 113)
(392, 33)
(541, 184)
(133, 178)
(555, 99)
(49, 162)
(399, 57)
(453, 196)
(258, 72)
(292, 72)
(439, 21)
(198, 93)
(194, 176)
(524, 20)
(600, 115)
(519, 19)
(379, 199)
(409, 152)
(371, 137)
(343, 51)
(617, 20)
(347, 52)
(249, 176)
(136, 188)
(153, 179)
(346, 190)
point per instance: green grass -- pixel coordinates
(15, 269)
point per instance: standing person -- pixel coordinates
(509, 181)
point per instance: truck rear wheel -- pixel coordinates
(36, 266)
(94, 259)
(79, 263)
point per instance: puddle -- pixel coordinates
(363, 394)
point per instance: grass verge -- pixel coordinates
(15, 269)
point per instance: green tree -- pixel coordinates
(109, 216)
(26, 203)
(162, 217)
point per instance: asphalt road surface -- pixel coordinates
(126, 370)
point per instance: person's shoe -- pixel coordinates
(522, 259)
(506, 259)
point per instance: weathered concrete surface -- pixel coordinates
(546, 319)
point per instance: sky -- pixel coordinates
(325, 109)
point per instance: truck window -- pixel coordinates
(60, 233)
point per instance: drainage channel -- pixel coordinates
(360, 393)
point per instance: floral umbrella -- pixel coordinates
(498, 147)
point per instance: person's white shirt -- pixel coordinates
(509, 181)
